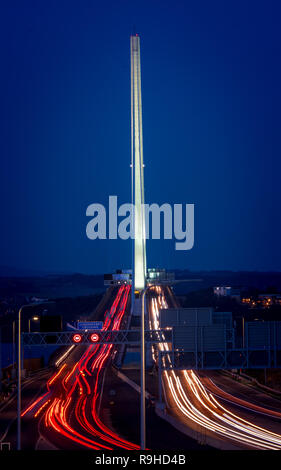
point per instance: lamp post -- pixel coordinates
(35, 318)
(143, 417)
(19, 377)
(14, 349)
(0, 360)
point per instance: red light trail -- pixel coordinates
(69, 408)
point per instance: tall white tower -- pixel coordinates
(139, 271)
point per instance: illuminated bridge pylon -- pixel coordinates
(139, 245)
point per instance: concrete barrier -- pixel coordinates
(132, 384)
(244, 378)
(199, 435)
(161, 411)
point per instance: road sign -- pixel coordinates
(90, 325)
(94, 337)
(77, 338)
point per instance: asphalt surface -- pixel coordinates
(119, 407)
(243, 391)
(248, 395)
(34, 387)
(31, 388)
(121, 412)
(222, 418)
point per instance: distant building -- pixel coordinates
(262, 300)
(247, 300)
(155, 275)
(266, 300)
(222, 291)
(37, 300)
(227, 291)
(119, 277)
(124, 276)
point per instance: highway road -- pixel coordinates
(31, 389)
(201, 405)
(67, 413)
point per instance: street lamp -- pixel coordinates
(14, 350)
(143, 420)
(19, 376)
(35, 318)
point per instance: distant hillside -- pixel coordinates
(51, 286)
(239, 279)
(73, 285)
(11, 271)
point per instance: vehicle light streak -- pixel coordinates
(63, 356)
(41, 408)
(217, 391)
(78, 389)
(56, 375)
(196, 403)
(33, 404)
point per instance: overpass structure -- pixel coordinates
(189, 347)
(116, 337)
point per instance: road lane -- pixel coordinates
(196, 406)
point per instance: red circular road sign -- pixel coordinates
(77, 338)
(94, 337)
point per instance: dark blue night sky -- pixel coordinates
(211, 83)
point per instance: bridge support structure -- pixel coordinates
(139, 245)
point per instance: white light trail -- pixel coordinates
(197, 404)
